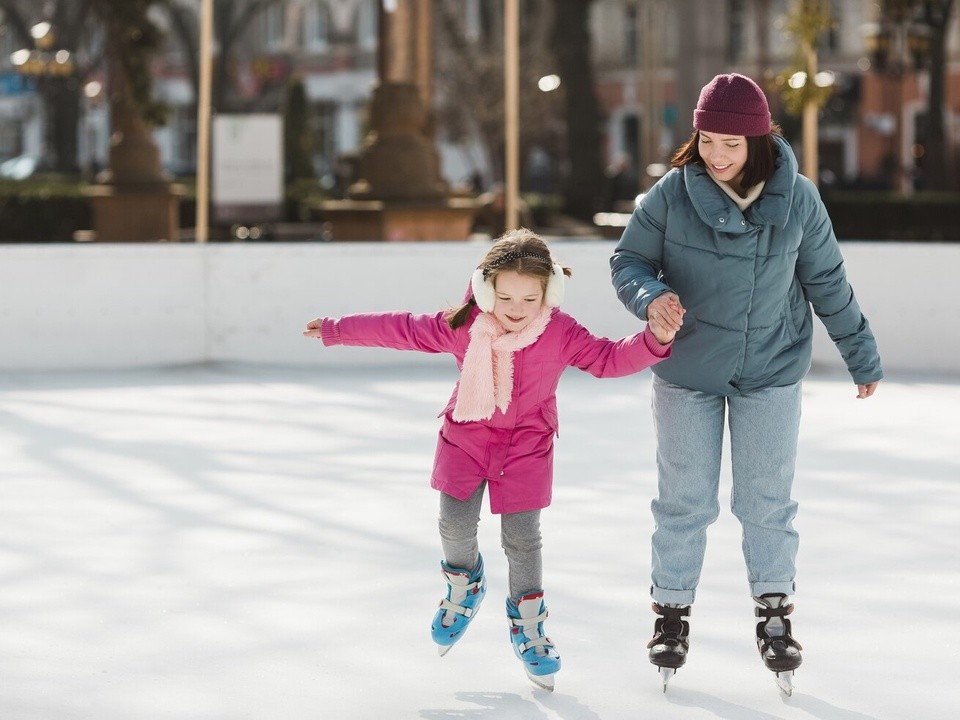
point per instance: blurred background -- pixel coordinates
(101, 95)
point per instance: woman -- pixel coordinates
(736, 246)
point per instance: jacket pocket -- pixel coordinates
(550, 419)
(786, 316)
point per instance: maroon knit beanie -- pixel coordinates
(732, 105)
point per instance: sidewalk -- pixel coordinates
(237, 541)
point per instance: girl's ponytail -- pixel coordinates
(456, 317)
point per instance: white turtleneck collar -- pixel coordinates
(742, 202)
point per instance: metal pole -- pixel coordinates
(203, 120)
(811, 160)
(511, 46)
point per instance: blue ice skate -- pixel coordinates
(535, 650)
(465, 591)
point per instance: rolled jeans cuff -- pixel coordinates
(662, 596)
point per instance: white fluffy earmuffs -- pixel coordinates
(486, 296)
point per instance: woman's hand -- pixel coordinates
(662, 335)
(865, 391)
(313, 328)
(666, 312)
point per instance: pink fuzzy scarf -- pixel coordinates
(486, 381)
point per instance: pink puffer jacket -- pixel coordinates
(513, 450)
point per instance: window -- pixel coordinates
(273, 26)
(323, 128)
(316, 26)
(832, 37)
(738, 30)
(630, 40)
(367, 24)
(184, 150)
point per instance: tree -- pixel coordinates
(469, 78)
(131, 39)
(921, 26)
(938, 154)
(554, 40)
(297, 141)
(571, 42)
(231, 19)
(799, 87)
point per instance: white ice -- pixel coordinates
(230, 541)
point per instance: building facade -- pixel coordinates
(651, 58)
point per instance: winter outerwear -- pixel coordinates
(512, 450)
(486, 377)
(746, 278)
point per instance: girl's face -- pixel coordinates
(724, 155)
(519, 299)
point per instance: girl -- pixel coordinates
(511, 343)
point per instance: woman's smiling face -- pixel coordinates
(724, 155)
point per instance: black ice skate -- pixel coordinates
(780, 652)
(668, 648)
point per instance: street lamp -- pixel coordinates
(43, 60)
(48, 68)
(898, 45)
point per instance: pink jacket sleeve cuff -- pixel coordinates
(330, 332)
(654, 346)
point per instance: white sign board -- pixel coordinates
(247, 168)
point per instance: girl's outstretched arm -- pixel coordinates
(397, 330)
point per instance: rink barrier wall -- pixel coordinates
(129, 305)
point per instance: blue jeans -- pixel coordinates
(764, 426)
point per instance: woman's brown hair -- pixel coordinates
(762, 152)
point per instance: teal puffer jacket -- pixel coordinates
(747, 280)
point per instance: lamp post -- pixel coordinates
(50, 70)
(899, 46)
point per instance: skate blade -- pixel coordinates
(667, 673)
(785, 682)
(544, 682)
(443, 649)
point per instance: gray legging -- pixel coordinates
(519, 537)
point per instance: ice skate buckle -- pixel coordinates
(522, 624)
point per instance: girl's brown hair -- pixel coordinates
(762, 155)
(521, 251)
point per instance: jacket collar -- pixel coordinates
(719, 211)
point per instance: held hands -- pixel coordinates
(865, 391)
(665, 317)
(313, 328)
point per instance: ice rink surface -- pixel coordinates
(232, 541)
